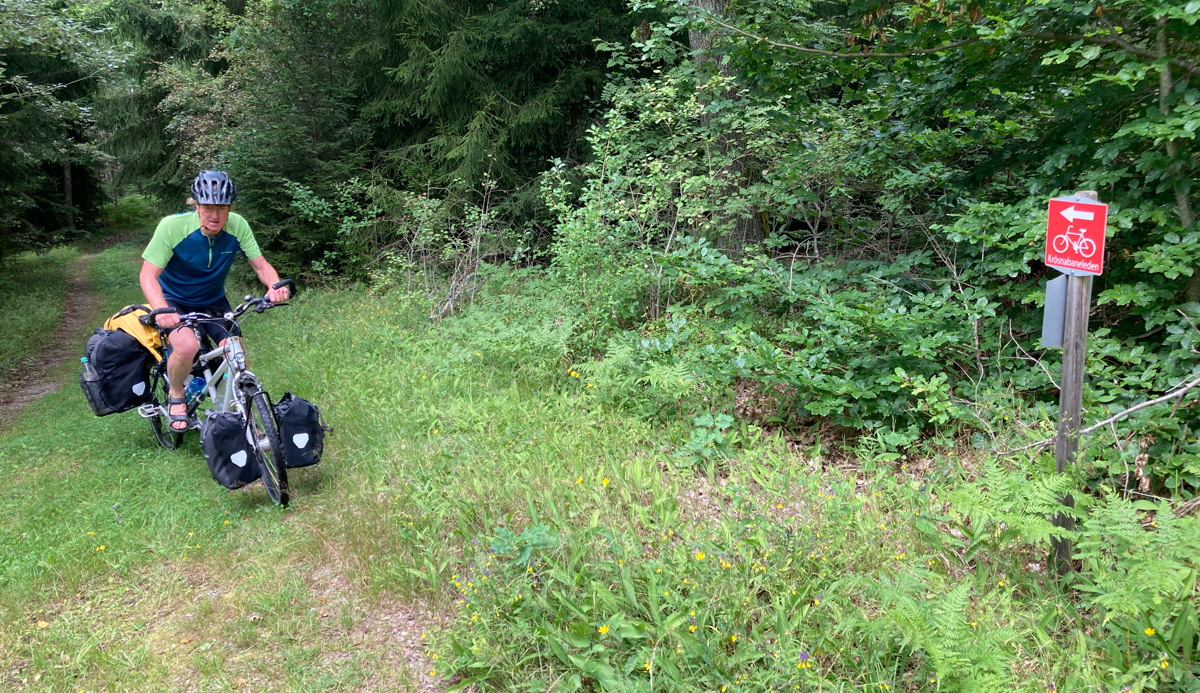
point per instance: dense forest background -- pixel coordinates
(824, 217)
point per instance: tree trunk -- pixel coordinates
(746, 229)
(68, 194)
(701, 42)
(1183, 201)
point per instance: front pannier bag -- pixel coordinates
(116, 377)
(302, 431)
(225, 441)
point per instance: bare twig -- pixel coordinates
(835, 54)
(1030, 357)
(1113, 40)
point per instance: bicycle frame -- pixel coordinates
(232, 393)
(222, 399)
(227, 387)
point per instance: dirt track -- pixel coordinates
(35, 378)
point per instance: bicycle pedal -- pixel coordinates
(147, 411)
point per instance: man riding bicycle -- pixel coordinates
(184, 268)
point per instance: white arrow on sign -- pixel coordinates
(1071, 214)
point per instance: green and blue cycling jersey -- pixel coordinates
(194, 266)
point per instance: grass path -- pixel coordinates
(33, 289)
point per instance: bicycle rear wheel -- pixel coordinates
(169, 439)
(268, 447)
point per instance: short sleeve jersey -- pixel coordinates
(194, 266)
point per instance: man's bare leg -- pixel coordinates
(184, 348)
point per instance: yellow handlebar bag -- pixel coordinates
(127, 322)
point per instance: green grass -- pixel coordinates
(476, 497)
(114, 274)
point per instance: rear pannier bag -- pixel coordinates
(301, 430)
(225, 441)
(121, 367)
(129, 322)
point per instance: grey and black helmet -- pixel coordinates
(213, 188)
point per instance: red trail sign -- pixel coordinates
(1075, 236)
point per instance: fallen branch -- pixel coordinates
(1188, 508)
(1183, 390)
(1176, 393)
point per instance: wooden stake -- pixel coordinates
(1070, 396)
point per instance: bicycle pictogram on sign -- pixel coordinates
(1075, 236)
(1076, 241)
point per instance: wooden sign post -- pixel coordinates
(1077, 248)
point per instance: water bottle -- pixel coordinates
(89, 372)
(194, 387)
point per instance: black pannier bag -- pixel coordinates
(301, 430)
(225, 441)
(116, 377)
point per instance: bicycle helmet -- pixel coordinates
(213, 188)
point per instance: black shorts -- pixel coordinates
(215, 331)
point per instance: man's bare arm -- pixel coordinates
(269, 277)
(148, 278)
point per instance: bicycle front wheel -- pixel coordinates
(167, 437)
(268, 448)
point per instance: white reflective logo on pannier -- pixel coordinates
(238, 458)
(139, 389)
(300, 440)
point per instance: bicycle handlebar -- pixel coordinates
(149, 318)
(257, 304)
